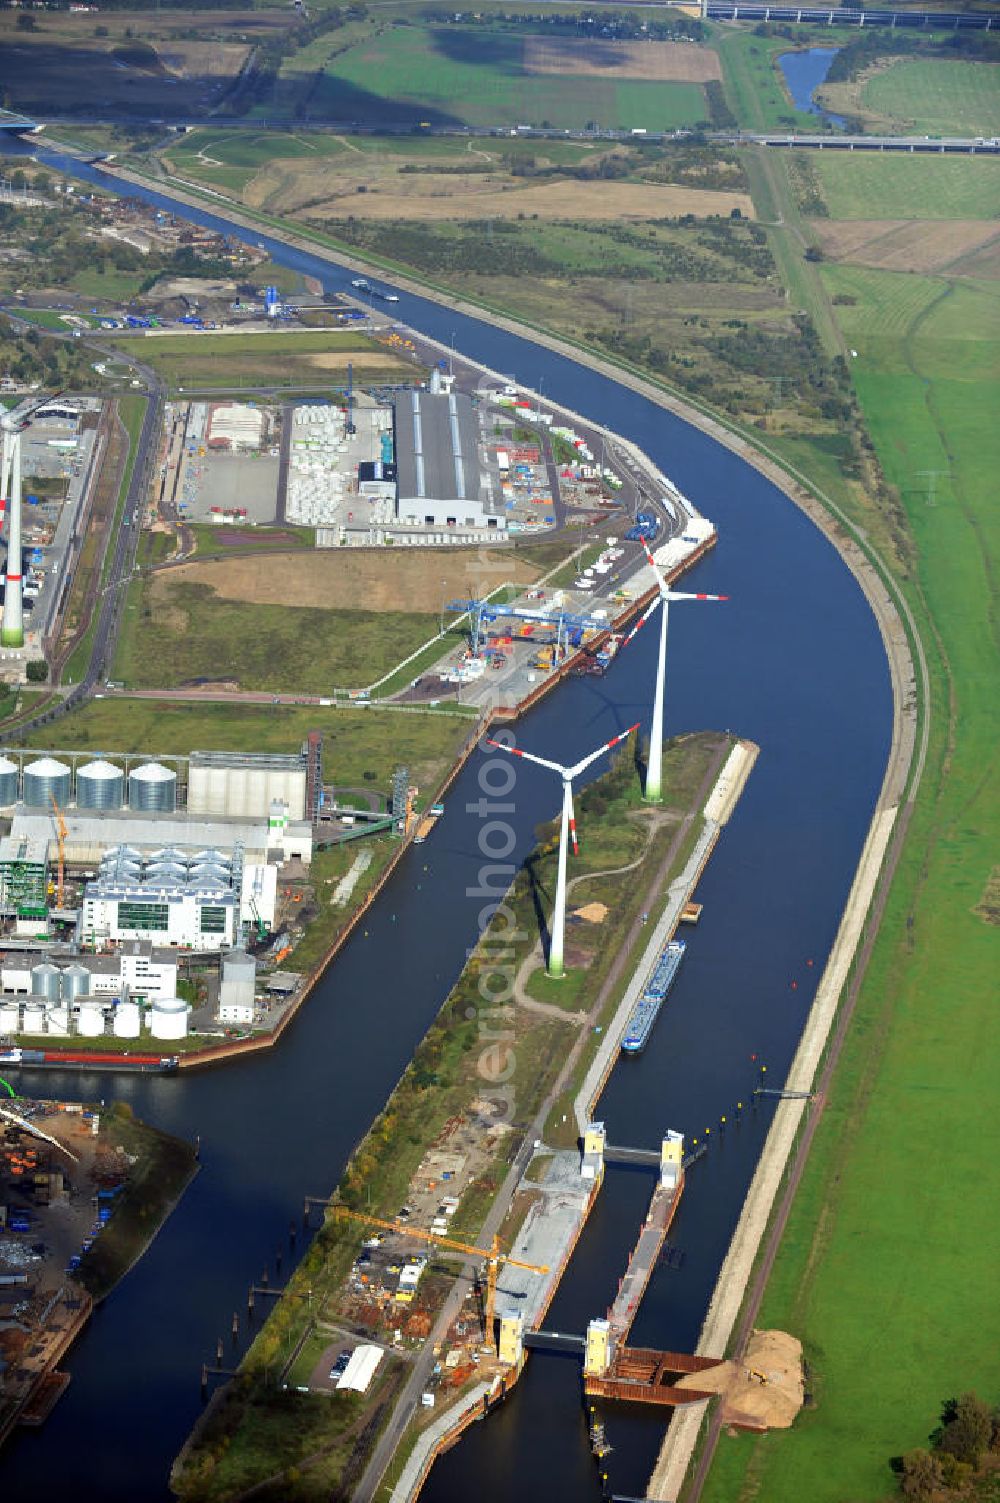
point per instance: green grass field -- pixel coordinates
(190, 633)
(355, 742)
(478, 77)
(870, 186)
(755, 87)
(239, 360)
(887, 1270)
(229, 159)
(938, 97)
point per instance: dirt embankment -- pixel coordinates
(351, 578)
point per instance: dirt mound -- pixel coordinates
(764, 1391)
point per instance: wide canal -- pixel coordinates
(796, 663)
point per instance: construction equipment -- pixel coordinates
(761, 1377)
(61, 833)
(494, 1257)
(568, 626)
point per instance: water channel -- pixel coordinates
(795, 662)
(804, 72)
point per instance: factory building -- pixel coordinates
(438, 468)
(237, 989)
(90, 834)
(24, 871)
(234, 784)
(61, 993)
(182, 897)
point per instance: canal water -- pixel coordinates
(795, 662)
(804, 71)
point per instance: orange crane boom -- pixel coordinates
(493, 1255)
(61, 833)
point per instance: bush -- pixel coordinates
(37, 671)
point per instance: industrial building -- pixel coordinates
(91, 995)
(238, 988)
(245, 784)
(438, 467)
(236, 426)
(191, 899)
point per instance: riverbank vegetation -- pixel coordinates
(900, 1159)
(160, 1169)
(440, 1091)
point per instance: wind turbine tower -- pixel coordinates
(12, 630)
(567, 832)
(654, 769)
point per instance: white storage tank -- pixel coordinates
(34, 1017)
(152, 789)
(46, 981)
(100, 785)
(45, 780)
(168, 1018)
(10, 1017)
(90, 1018)
(127, 1020)
(58, 1019)
(8, 782)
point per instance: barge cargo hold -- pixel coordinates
(654, 994)
(88, 1059)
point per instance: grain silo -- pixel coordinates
(8, 782)
(75, 982)
(100, 785)
(10, 1015)
(152, 789)
(45, 780)
(46, 981)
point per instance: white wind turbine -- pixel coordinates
(567, 832)
(12, 629)
(654, 769)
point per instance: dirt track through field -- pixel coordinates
(678, 62)
(918, 245)
(350, 578)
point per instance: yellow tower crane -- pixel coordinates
(61, 833)
(494, 1257)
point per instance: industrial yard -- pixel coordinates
(82, 1191)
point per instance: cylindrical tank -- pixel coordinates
(126, 1023)
(45, 780)
(10, 1017)
(46, 981)
(8, 782)
(168, 1018)
(90, 1018)
(100, 785)
(152, 789)
(58, 1020)
(34, 1017)
(75, 982)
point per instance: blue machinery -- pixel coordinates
(569, 627)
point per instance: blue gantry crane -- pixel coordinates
(568, 625)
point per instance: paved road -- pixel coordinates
(924, 145)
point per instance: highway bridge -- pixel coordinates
(962, 145)
(827, 15)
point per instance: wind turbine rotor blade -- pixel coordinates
(515, 751)
(572, 826)
(574, 772)
(651, 607)
(684, 595)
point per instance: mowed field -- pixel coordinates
(353, 578)
(358, 745)
(908, 187)
(969, 247)
(938, 97)
(491, 77)
(142, 66)
(888, 1268)
(268, 359)
(178, 634)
